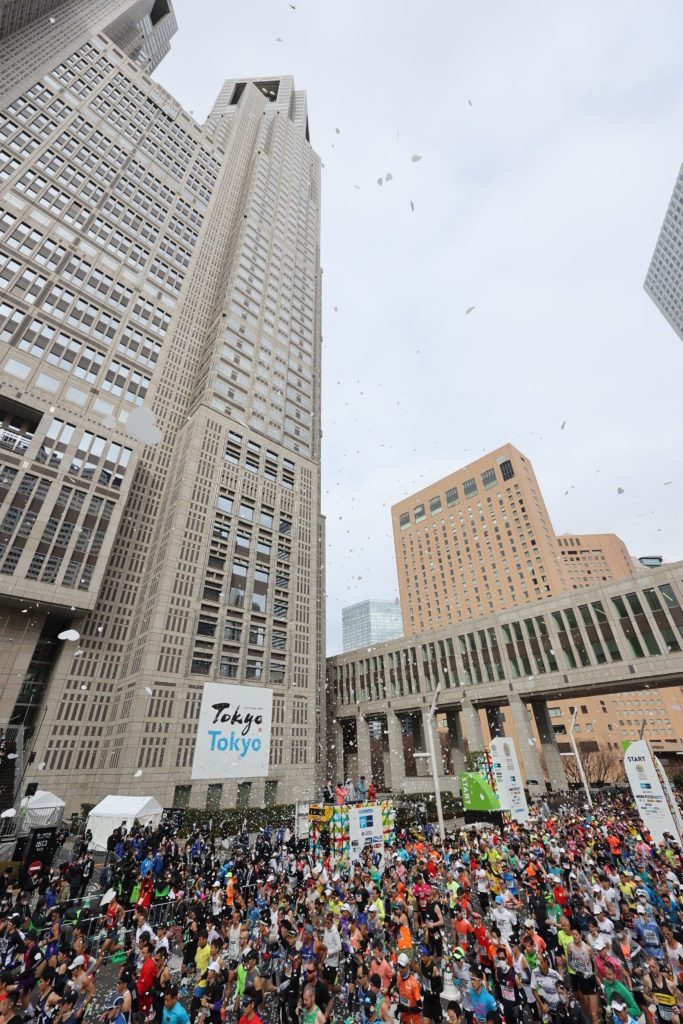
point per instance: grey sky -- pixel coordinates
(539, 204)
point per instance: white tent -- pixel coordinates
(115, 811)
(41, 809)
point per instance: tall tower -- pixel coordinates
(478, 541)
(160, 395)
(664, 281)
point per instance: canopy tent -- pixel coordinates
(40, 810)
(116, 811)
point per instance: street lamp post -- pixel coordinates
(579, 762)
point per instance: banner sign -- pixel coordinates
(670, 795)
(648, 793)
(476, 794)
(508, 778)
(366, 829)
(233, 735)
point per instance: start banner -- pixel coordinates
(233, 735)
(649, 795)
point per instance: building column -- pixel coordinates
(474, 737)
(526, 743)
(362, 748)
(457, 741)
(397, 762)
(496, 723)
(336, 761)
(551, 751)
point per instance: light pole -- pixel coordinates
(432, 756)
(579, 762)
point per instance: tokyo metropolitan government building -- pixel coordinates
(160, 293)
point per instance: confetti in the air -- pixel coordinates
(42, 766)
(469, 310)
(564, 424)
(9, 813)
(148, 691)
(620, 490)
(388, 176)
(137, 774)
(415, 157)
(380, 181)
(69, 634)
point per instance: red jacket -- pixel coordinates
(145, 984)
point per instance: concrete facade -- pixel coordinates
(664, 280)
(149, 262)
(614, 639)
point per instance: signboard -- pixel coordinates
(508, 778)
(42, 844)
(233, 735)
(366, 828)
(476, 793)
(648, 793)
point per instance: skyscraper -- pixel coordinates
(160, 394)
(370, 622)
(664, 281)
(478, 541)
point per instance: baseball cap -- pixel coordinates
(77, 962)
(249, 995)
(499, 899)
(618, 1005)
(599, 944)
(403, 960)
(424, 950)
(528, 922)
(114, 1002)
(215, 967)
(458, 953)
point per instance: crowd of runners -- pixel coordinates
(575, 917)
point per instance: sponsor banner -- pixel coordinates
(648, 793)
(366, 829)
(476, 793)
(233, 735)
(508, 778)
(670, 795)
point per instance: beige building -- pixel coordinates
(618, 641)
(478, 541)
(481, 541)
(594, 557)
(160, 295)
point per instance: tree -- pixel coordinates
(603, 767)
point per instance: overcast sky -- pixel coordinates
(539, 204)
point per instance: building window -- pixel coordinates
(435, 505)
(469, 487)
(404, 520)
(243, 795)
(213, 796)
(488, 478)
(270, 793)
(419, 513)
(452, 496)
(507, 470)
(181, 796)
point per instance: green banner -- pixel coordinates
(625, 744)
(476, 793)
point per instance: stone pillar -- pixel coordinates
(397, 762)
(551, 751)
(457, 741)
(474, 737)
(336, 761)
(530, 762)
(496, 724)
(363, 748)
